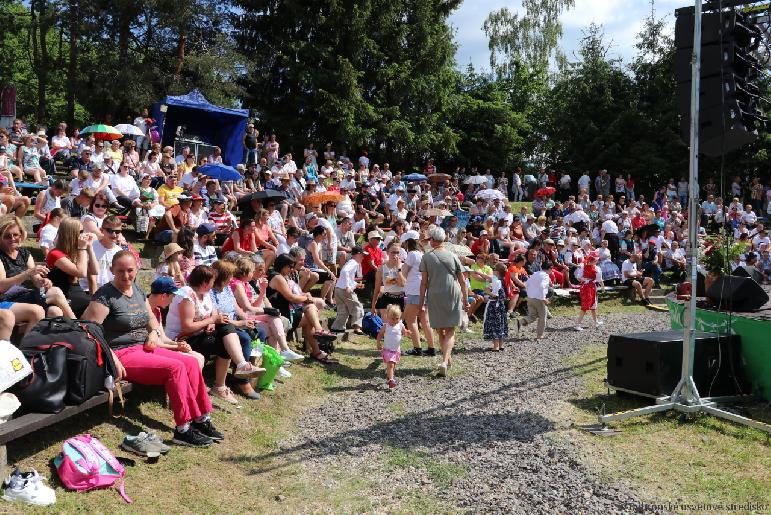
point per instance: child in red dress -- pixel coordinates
(588, 275)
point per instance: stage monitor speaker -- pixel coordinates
(740, 271)
(650, 363)
(738, 294)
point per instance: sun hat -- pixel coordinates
(409, 235)
(169, 250)
(374, 234)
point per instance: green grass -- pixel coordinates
(440, 473)
(704, 460)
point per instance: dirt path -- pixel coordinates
(486, 439)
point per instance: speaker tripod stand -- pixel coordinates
(685, 397)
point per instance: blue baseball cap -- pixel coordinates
(205, 229)
(163, 284)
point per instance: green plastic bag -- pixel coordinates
(271, 362)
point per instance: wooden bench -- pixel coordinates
(30, 422)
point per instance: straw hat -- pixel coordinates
(169, 250)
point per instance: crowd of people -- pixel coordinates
(264, 256)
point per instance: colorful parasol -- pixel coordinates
(439, 177)
(458, 250)
(491, 195)
(545, 192)
(436, 212)
(102, 132)
(315, 199)
(129, 130)
(475, 179)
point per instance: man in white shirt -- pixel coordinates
(577, 216)
(105, 249)
(537, 286)
(749, 217)
(348, 183)
(100, 183)
(584, 182)
(632, 277)
(141, 123)
(349, 308)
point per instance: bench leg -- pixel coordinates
(3, 462)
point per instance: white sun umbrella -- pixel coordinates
(490, 195)
(129, 130)
(476, 179)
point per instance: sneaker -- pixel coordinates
(291, 355)
(429, 352)
(191, 438)
(415, 351)
(207, 429)
(441, 370)
(578, 328)
(28, 487)
(224, 393)
(392, 383)
(284, 373)
(140, 445)
(247, 370)
(162, 447)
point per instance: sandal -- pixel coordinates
(224, 393)
(247, 370)
(322, 357)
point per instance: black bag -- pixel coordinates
(89, 359)
(44, 390)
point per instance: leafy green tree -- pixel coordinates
(530, 39)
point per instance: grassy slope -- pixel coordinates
(704, 460)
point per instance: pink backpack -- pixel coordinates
(85, 464)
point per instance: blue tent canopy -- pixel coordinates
(216, 125)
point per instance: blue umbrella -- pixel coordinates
(415, 177)
(220, 172)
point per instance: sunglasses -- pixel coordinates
(100, 205)
(113, 231)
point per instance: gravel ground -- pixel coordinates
(495, 419)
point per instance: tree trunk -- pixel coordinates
(39, 27)
(180, 54)
(72, 69)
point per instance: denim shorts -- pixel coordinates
(414, 299)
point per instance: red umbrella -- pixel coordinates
(545, 192)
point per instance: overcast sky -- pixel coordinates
(621, 19)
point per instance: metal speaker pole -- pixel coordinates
(685, 398)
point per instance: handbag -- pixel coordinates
(89, 358)
(45, 389)
(272, 312)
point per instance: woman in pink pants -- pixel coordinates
(133, 335)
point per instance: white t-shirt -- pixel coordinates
(203, 309)
(103, 264)
(392, 337)
(628, 266)
(412, 283)
(48, 235)
(348, 273)
(141, 124)
(125, 184)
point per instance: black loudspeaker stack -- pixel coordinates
(649, 363)
(737, 294)
(729, 100)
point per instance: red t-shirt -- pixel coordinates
(243, 242)
(54, 256)
(476, 247)
(373, 260)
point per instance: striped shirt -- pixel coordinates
(204, 255)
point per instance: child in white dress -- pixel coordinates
(389, 341)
